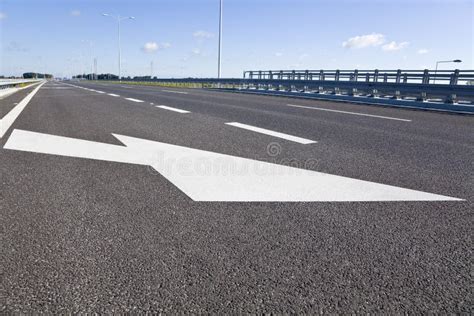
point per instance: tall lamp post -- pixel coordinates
(445, 61)
(119, 19)
(220, 41)
(91, 56)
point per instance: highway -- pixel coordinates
(121, 198)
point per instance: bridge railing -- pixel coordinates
(451, 77)
(443, 86)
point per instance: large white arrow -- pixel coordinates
(209, 176)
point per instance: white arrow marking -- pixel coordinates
(209, 176)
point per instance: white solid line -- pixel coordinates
(346, 112)
(11, 116)
(272, 133)
(224, 177)
(113, 95)
(134, 100)
(171, 91)
(172, 109)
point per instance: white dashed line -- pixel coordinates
(352, 113)
(134, 100)
(99, 91)
(171, 91)
(113, 95)
(296, 139)
(172, 109)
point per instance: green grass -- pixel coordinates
(167, 84)
(25, 84)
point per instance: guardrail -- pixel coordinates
(451, 77)
(446, 93)
(14, 83)
(442, 90)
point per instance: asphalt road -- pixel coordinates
(84, 235)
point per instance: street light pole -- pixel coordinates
(444, 61)
(91, 56)
(119, 19)
(119, 51)
(220, 41)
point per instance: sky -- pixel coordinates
(180, 37)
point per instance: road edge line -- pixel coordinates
(7, 121)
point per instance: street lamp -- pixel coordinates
(220, 41)
(445, 61)
(119, 19)
(91, 56)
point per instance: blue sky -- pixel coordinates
(180, 36)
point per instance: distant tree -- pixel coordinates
(142, 78)
(30, 75)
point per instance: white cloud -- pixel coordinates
(423, 51)
(295, 66)
(16, 47)
(361, 41)
(75, 13)
(278, 54)
(394, 46)
(202, 34)
(2, 16)
(150, 47)
(197, 52)
(303, 56)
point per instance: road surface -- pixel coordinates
(113, 199)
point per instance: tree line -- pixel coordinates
(35, 75)
(111, 77)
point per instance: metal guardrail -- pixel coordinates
(450, 91)
(452, 77)
(14, 83)
(401, 89)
